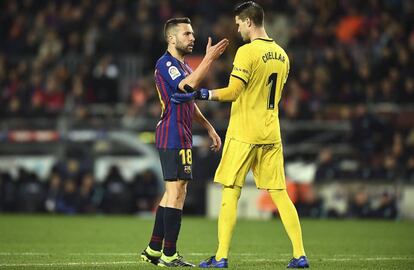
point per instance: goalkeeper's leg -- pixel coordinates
(290, 220)
(227, 220)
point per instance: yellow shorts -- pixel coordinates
(266, 161)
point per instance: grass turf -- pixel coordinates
(113, 242)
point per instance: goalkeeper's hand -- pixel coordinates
(202, 94)
(178, 98)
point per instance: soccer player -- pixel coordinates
(174, 137)
(253, 141)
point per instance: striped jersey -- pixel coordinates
(174, 128)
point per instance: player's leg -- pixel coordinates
(226, 223)
(177, 174)
(269, 174)
(227, 220)
(153, 251)
(231, 173)
(176, 192)
(290, 220)
(169, 212)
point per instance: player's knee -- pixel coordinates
(177, 192)
(233, 191)
(279, 194)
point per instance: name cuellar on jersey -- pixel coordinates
(264, 67)
(174, 128)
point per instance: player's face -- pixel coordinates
(184, 39)
(242, 28)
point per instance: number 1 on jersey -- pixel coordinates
(272, 81)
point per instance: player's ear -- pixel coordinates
(248, 22)
(171, 39)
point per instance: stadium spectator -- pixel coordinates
(67, 201)
(387, 207)
(54, 191)
(117, 197)
(30, 193)
(87, 201)
(310, 204)
(326, 167)
(360, 205)
(8, 192)
(146, 191)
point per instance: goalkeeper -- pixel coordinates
(253, 141)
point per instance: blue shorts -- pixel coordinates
(176, 164)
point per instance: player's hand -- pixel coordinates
(202, 94)
(216, 140)
(215, 51)
(178, 98)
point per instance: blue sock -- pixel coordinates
(158, 231)
(172, 225)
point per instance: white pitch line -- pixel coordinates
(66, 264)
(339, 259)
(112, 254)
(138, 262)
(211, 253)
(333, 257)
(23, 253)
(70, 254)
(104, 254)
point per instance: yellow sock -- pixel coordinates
(290, 220)
(227, 219)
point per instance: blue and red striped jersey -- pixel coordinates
(174, 128)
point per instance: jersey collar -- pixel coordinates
(168, 53)
(264, 39)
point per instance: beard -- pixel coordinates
(244, 37)
(184, 49)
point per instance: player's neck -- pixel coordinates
(258, 33)
(176, 54)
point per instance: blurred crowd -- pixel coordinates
(72, 188)
(342, 52)
(347, 57)
(382, 152)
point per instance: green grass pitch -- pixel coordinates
(112, 242)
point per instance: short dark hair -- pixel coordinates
(174, 22)
(250, 10)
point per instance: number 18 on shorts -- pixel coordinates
(176, 164)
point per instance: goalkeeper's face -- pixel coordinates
(184, 39)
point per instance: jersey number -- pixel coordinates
(272, 81)
(186, 157)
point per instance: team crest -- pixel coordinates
(174, 72)
(187, 169)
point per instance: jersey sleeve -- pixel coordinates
(241, 65)
(171, 73)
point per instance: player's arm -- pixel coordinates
(238, 79)
(212, 53)
(240, 76)
(229, 93)
(199, 117)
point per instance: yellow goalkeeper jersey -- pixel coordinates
(264, 67)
